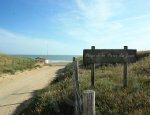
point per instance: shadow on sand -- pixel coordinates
(25, 104)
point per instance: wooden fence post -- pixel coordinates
(74, 59)
(78, 102)
(89, 102)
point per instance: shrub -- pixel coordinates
(11, 64)
(111, 97)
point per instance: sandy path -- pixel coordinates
(15, 89)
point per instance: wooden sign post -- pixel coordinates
(92, 69)
(125, 76)
(93, 56)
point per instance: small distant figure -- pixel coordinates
(46, 61)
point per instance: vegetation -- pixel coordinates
(142, 54)
(111, 97)
(11, 64)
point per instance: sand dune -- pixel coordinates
(15, 89)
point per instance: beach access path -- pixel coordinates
(16, 89)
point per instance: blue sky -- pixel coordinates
(69, 26)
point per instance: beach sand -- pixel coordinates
(16, 89)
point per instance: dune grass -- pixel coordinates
(11, 64)
(111, 97)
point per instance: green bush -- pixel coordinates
(8, 70)
(111, 97)
(55, 99)
(11, 64)
(142, 67)
(143, 54)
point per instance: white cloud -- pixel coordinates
(99, 10)
(90, 19)
(18, 44)
(145, 16)
(99, 23)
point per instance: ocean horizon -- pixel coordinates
(52, 58)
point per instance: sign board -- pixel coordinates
(108, 55)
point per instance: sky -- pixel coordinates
(66, 27)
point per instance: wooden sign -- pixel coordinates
(92, 56)
(108, 55)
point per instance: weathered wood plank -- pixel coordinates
(89, 102)
(108, 56)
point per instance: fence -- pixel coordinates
(84, 105)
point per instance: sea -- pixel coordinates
(52, 58)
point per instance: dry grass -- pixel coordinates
(111, 97)
(11, 64)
